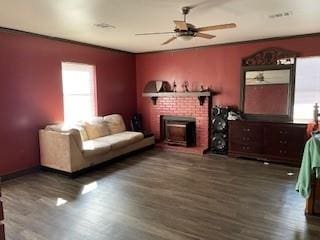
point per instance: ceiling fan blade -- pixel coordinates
(169, 40)
(181, 25)
(203, 35)
(153, 33)
(216, 27)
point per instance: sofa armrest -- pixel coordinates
(60, 150)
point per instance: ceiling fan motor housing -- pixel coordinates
(186, 10)
(185, 33)
(190, 32)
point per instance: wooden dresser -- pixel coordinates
(271, 141)
(1, 218)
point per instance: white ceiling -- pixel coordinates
(75, 19)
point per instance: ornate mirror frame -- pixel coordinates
(269, 59)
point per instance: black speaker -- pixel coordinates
(219, 130)
(136, 123)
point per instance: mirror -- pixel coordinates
(267, 85)
(267, 92)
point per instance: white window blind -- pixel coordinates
(307, 87)
(79, 98)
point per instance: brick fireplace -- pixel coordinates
(183, 107)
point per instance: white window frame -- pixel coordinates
(76, 114)
(306, 94)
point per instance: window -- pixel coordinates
(307, 87)
(79, 98)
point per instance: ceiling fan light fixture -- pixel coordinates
(185, 37)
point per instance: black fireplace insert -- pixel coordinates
(177, 130)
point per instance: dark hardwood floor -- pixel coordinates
(160, 195)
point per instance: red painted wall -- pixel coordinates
(274, 99)
(217, 67)
(31, 90)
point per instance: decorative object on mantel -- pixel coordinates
(174, 89)
(185, 86)
(271, 56)
(157, 86)
(201, 95)
(202, 89)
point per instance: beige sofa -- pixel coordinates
(85, 144)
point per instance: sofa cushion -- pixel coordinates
(122, 139)
(115, 123)
(82, 130)
(96, 129)
(65, 128)
(132, 137)
(94, 147)
(57, 127)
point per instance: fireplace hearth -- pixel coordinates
(177, 130)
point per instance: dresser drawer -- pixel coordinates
(291, 151)
(246, 140)
(276, 132)
(245, 148)
(244, 131)
(284, 141)
(278, 152)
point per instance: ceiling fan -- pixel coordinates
(187, 31)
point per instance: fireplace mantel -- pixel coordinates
(201, 95)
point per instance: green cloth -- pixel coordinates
(310, 165)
